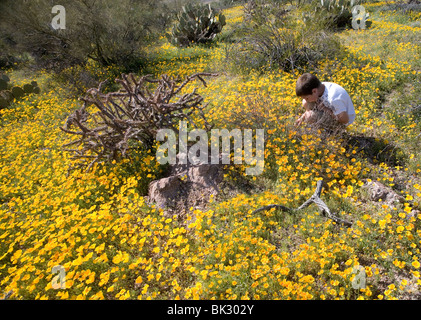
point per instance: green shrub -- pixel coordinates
(28, 88)
(17, 92)
(196, 24)
(3, 84)
(80, 78)
(109, 32)
(230, 3)
(6, 98)
(272, 40)
(331, 14)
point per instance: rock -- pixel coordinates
(188, 185)
(205, 176)
(164, 191)
(378, 191)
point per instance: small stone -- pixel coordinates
(378, 191)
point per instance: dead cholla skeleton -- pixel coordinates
(133, 113)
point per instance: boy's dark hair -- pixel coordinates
(306, 83)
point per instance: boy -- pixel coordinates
(327, 104)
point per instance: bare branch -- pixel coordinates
(135, 112)
(315, 198)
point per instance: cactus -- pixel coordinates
(196, 24)
(4, 103)
(337, 13)
(18, 92)
(7, 94)
(28, 88)
(3, 84)
(6, 98)
(5, 78)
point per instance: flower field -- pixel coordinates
(98, 226)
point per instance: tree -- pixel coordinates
(107, 31)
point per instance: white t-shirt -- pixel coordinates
(336, 98)
(339, 99)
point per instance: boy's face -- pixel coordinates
(312, 97)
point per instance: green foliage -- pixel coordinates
(7, 94)
(230, 3)
(196, 24)
(272, 39)
(28, 88)
(18, 92)
(8, 56)
(5, 78)
(3, 84)
(109, 32)
(264, 11)
(3, 103)
(6, 98)
(331, 14)
(80, 78)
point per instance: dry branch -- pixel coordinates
(134, 113)
(315, 198)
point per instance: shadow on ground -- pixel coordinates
(375, 150)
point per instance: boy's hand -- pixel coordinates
(303, 117)
(343, 117)
(299, 121)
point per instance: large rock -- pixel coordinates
(188, 185)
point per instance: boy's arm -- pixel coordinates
(343, 117)
(304, 117)
(300, 120)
